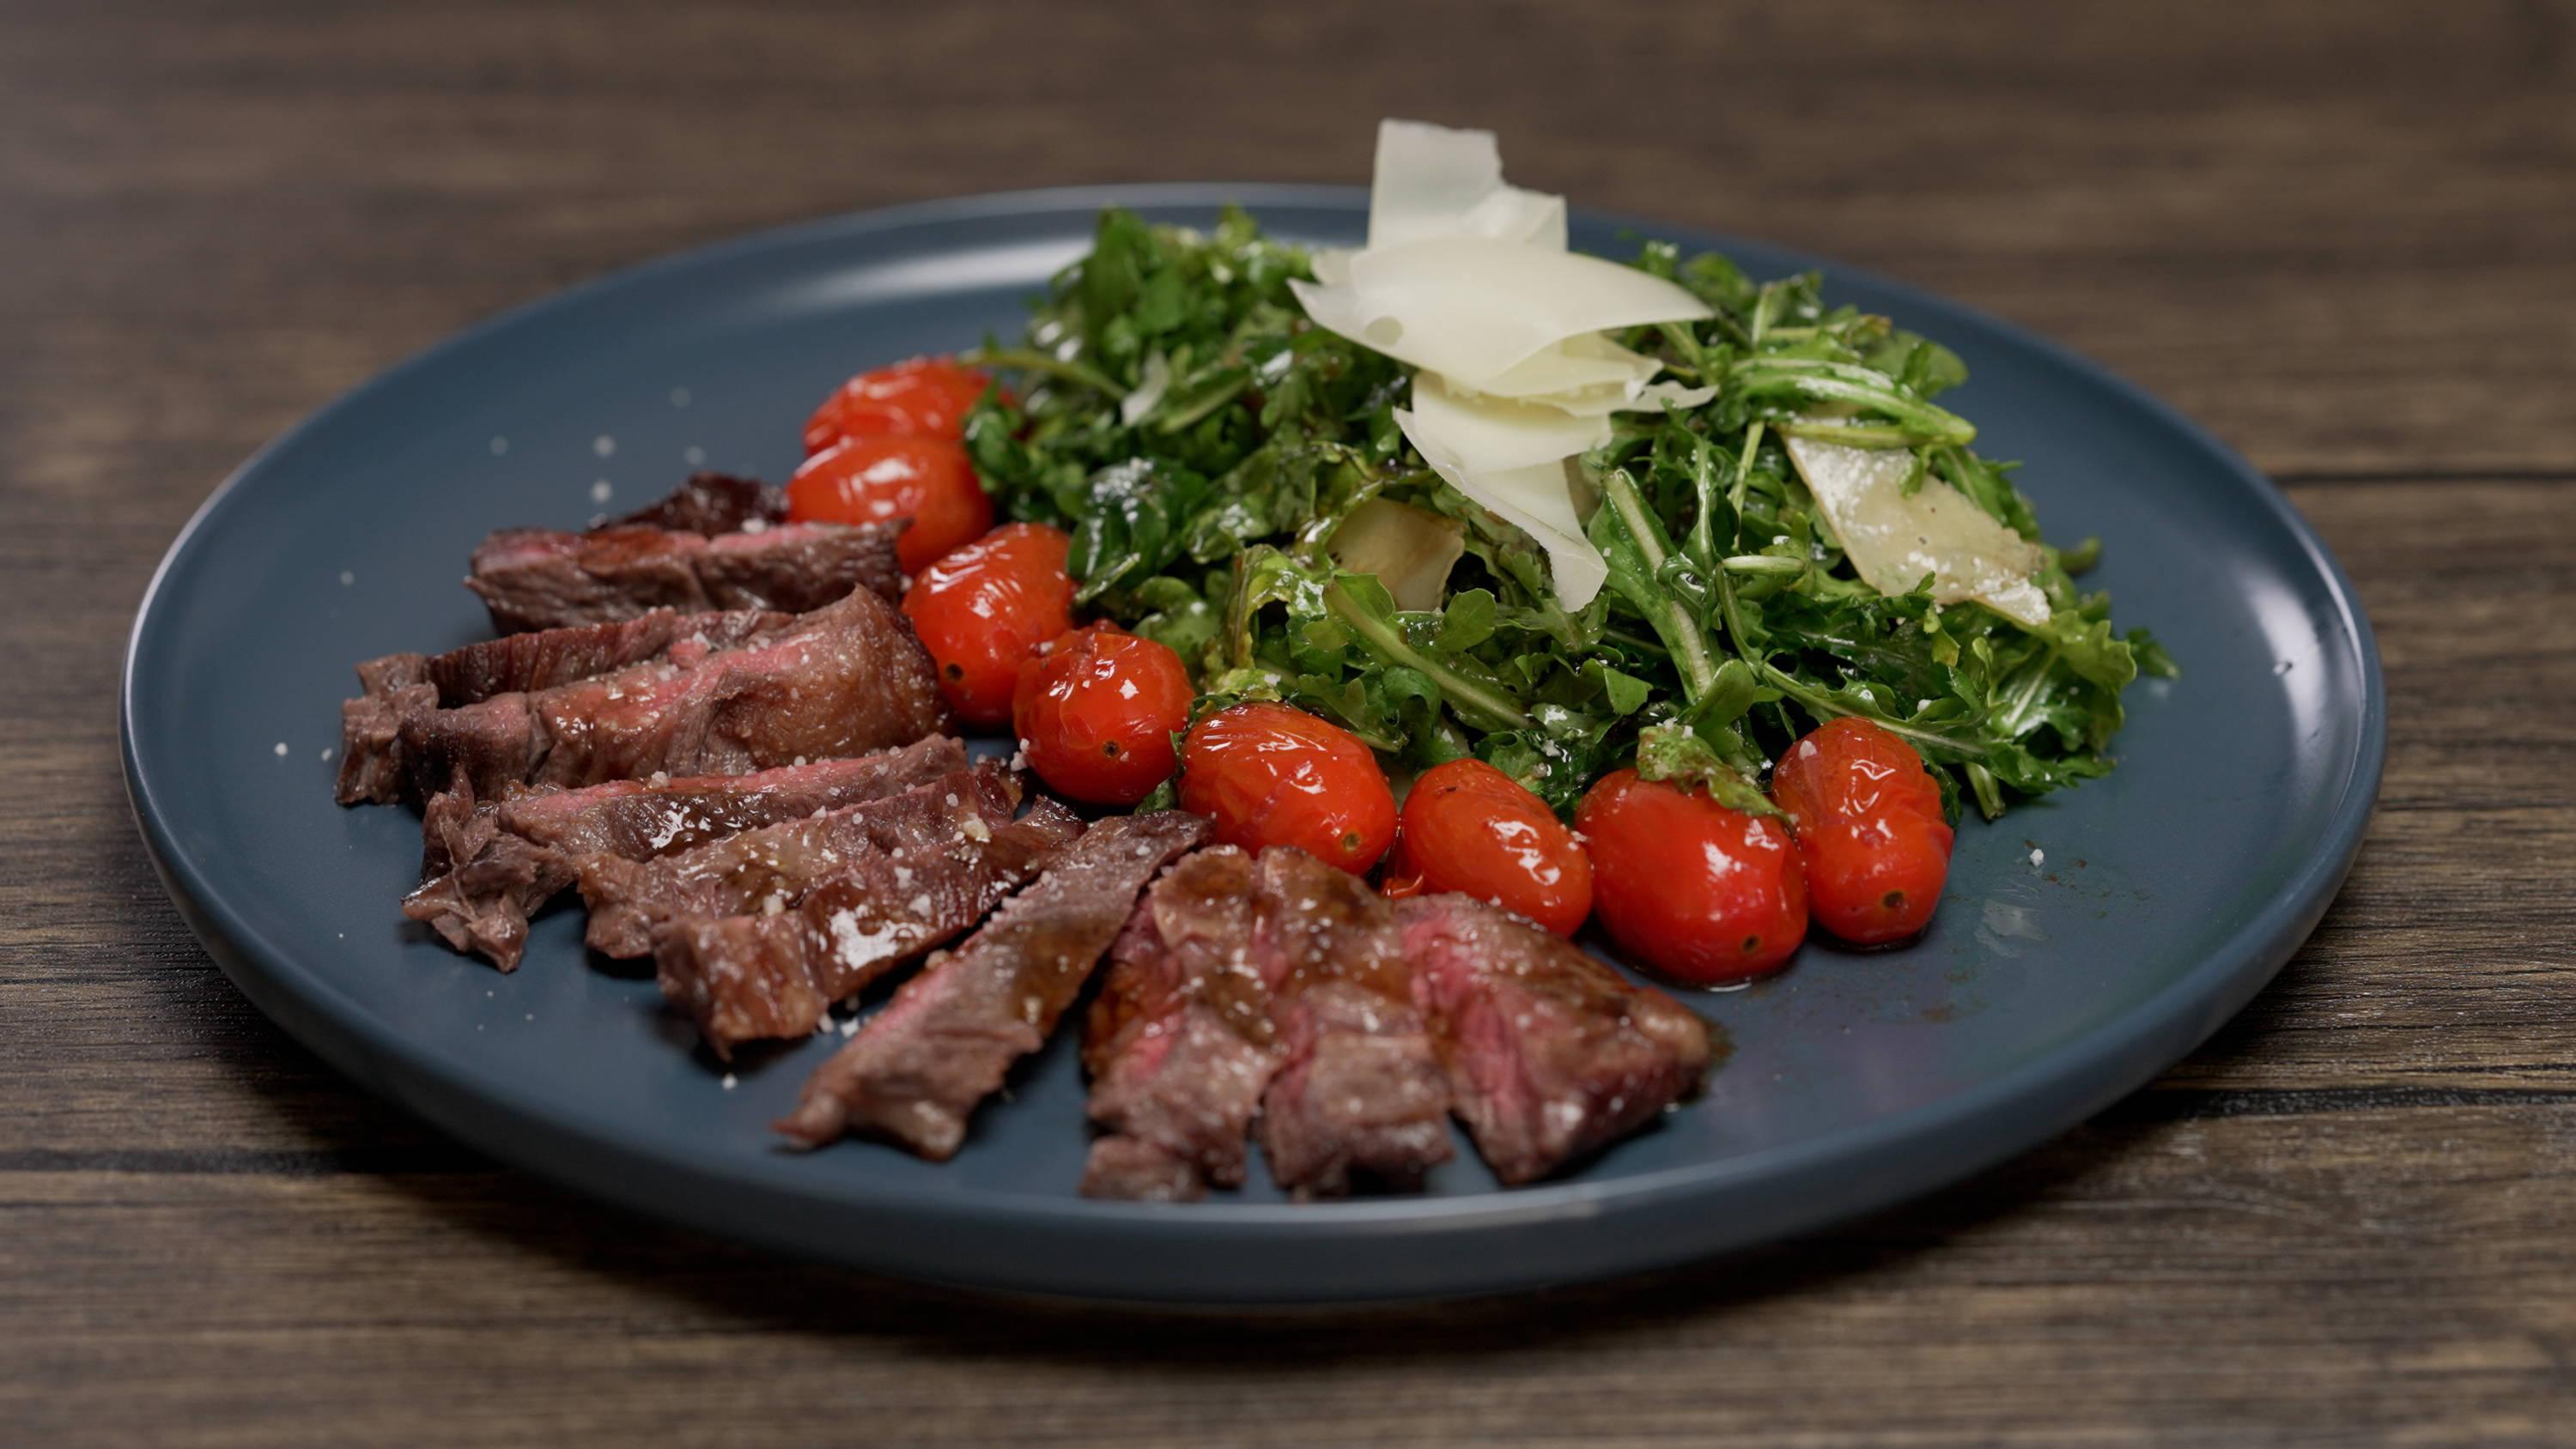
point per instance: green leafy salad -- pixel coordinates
(1239, 483)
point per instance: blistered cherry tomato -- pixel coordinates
(926, 397)
(1096, 711)
(1271, 775)
(983, 609)
(1700, 892)
(1469, 827)
(878, 480)
(1870, 827)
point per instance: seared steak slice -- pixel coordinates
(747, 977)
(374, 766)
(392, 672)
(518, 663)
(916, 1073)
(1360, 1088)
(1179, 1043)
(537, 578)
(1550, 1053)
(548, 657)
(480, 882)
(839, 681)
(767, 870)
(488, 865)
(713, 503)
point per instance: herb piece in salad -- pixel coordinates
(1236, 487)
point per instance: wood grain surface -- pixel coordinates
(2344, 236)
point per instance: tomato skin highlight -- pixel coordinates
(1470, 828)
(1268, 774)
(878, 480)
(1869, 828)
(1096, 711)
(1699, 892)
(924, 397)
(983, 609)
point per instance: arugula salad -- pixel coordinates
(1237, 485)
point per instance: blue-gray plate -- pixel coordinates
(2086, 942)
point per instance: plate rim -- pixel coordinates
(2068, 1084)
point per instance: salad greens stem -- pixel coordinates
(1486, 706)
(1763, 563)
(1915, 421)
(1637, 550)
(1858, 435)
(1825, 706)
(1744, 472)
(1029, 359)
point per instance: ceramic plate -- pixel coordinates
(2086, 942)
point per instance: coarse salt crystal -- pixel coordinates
(347, 578)
(281, 749)
(2037, 858)
(728, 1081)
(600, 490)
(603, 445)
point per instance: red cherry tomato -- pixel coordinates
(983, 609)
(1096, 711)
(1700, 892)
(1469, 827)
(1870, 828)
(878, 480)
(926, 397)
(1271, 775)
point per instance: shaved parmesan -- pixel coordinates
(1576, 365)
(1472, 307)
(1431, 181)
(1468, 280)
(1895, 539)
(1502, 432)
(1498, 454)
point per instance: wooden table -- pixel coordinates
(2343, 236)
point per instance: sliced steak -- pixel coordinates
(755, 976)
(487, 866)
(839, 681)
(1550, 1054)
(374, 765)
(1360, 1088)
(537, 578)
(515, 663)
(1179, 1044)
(765, 871)
(948, 1040)
(521, 663)
(713, 503)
